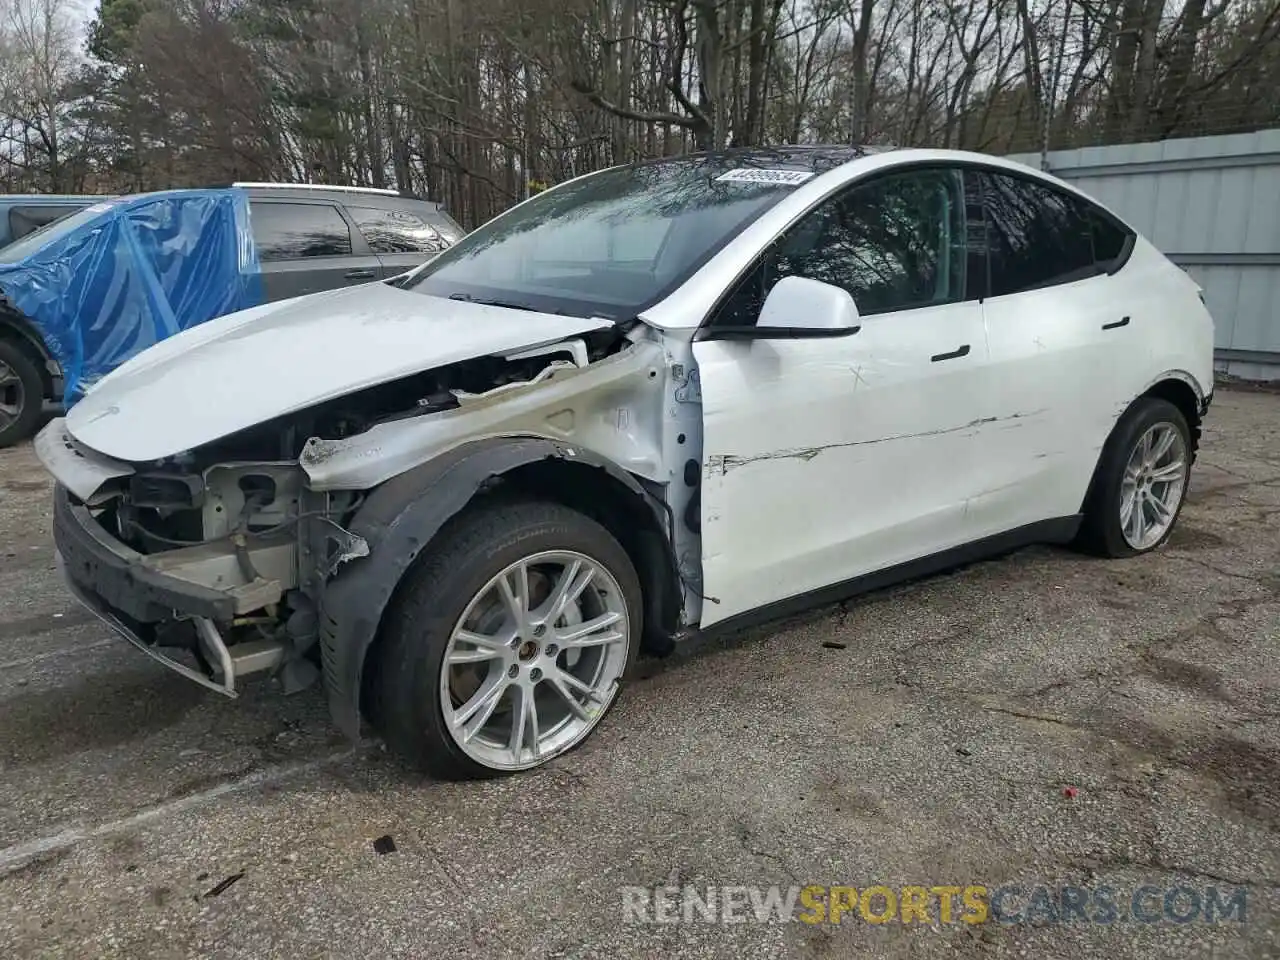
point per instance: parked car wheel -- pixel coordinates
(508, 642)
(1141, 482)
(21, 394)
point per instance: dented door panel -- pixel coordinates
(828, 459)
(1048, 362)
(1057, 354)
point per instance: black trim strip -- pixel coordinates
(777, 333)
(1122, 322)
(1059, 530)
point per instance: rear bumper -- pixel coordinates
(112, 577)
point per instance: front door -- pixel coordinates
(826, 459)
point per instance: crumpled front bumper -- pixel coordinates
(120, 587)
(120, 579)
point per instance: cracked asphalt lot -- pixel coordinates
(922, 735)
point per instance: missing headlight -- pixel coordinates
(166, 491)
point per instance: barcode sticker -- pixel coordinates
(784, 178)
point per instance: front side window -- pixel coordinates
(897, 242)
(1038, 236)
(395, 231)
(610, 244)
(297, 231)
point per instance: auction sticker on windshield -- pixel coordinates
(780, 177)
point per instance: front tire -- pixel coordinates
(1141, 483)
(508, 641)
(21, 394)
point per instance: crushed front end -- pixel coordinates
(209, 564)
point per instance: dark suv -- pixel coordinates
(62, 306)
(313, 238)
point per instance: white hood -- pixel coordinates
(246, 368)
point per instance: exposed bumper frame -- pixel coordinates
(210, 639)
(120, 578)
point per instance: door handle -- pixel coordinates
(1122, 322)
(359, 275)
(962, 351)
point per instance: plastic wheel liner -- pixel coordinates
(102, 285)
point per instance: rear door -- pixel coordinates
(1066, 345)
(306, 246)
(400, 238)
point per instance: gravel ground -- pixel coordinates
(922, 735)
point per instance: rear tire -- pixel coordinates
(455, 642)
(1141, 481)
(21, 394)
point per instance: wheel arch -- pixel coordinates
(1184, 392)
(402, 517)
(1175, 386)
(15, 328)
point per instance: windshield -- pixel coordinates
(23, 248)
(611, 244)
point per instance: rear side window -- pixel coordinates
(1038, 236)
(448, 228)
(297, 231)
(396, 231)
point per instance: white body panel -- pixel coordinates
(239, 370)
(829, 458)
(1080, 353)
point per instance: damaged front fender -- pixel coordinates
(610, 406)
(397, 522)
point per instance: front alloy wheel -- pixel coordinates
(21, 394)
(508, 642)
(534, 659)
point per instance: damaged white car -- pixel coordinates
(652, 400)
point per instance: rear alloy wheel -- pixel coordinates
(1141, 482)
(510, 643)
(1152, 486)
(21, 394)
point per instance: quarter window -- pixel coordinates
(297, 231)
(1038, 236)
(895, 243)
(396, 231)
(1109, 240)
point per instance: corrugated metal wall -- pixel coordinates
(1212, 204)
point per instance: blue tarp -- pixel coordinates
(110, 281)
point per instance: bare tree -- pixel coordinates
(479, 104)
(38, 59)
